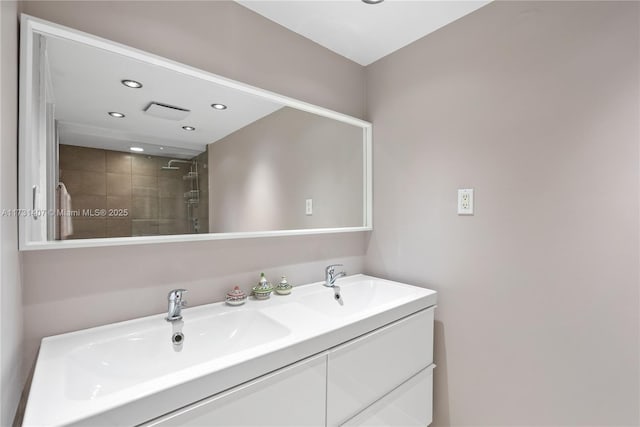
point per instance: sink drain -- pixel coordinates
(177, 338)
(337, 296)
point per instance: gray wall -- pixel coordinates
(261, 174)
(11, 355)
(536, 106)
(80, 288)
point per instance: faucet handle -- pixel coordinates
(332, 267)
(183, 302)
(177, 295)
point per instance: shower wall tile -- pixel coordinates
(118, 184)
(144, 227)
(118, 202)
(118, 227)
(202, 210)
(88, 202)
(145, 165)
(172, 207)
(88, 228)
(118, 162)
(173, 226)
(170, 187)
(153, 197)
(144, 186)
(144, 208)
(83, 182)
(170, 173)
(82, 158)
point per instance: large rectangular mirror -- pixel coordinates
(119, 146)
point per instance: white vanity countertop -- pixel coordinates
(130, 372)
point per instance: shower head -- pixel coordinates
(169, 166)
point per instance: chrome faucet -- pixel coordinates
(330, 275)
(176, 302)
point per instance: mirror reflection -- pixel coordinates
(116, 194)
(136, 149)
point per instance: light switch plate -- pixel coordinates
(465, 201)
(309, 207)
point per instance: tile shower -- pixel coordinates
(155, 199)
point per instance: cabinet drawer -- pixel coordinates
(367, 368)
(409, 405)
(292, 396)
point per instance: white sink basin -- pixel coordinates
(358, 297)
(111, 363)
(130, 372)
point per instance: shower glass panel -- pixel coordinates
(118, 194)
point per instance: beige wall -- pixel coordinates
(80, 288)
(536, 106)
(262, 174)
(11, 354)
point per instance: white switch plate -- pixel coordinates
(465, 201)
(309, 207)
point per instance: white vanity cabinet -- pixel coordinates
(382, 378)
(300, 360)
(366, 369)
(408, 405)
(293, 396)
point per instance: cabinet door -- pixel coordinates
(409, 405)
(292, 396)
(365, 369)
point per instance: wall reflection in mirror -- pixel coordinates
(136, 149)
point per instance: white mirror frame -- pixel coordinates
(31, 27)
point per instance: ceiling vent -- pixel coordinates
(166, 111)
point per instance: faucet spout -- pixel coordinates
(330, 275)
(176, 302)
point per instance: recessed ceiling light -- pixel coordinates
(188, 128)
(372, 1)
(219, 106)
(116, 114)
(137, 149)
(132, 84)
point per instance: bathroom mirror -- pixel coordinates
(119, 146)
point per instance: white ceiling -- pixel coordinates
(87, 85)
(363, 32)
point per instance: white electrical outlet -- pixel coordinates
(309, 207)
(465, 201)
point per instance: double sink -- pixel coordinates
(135, 370)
